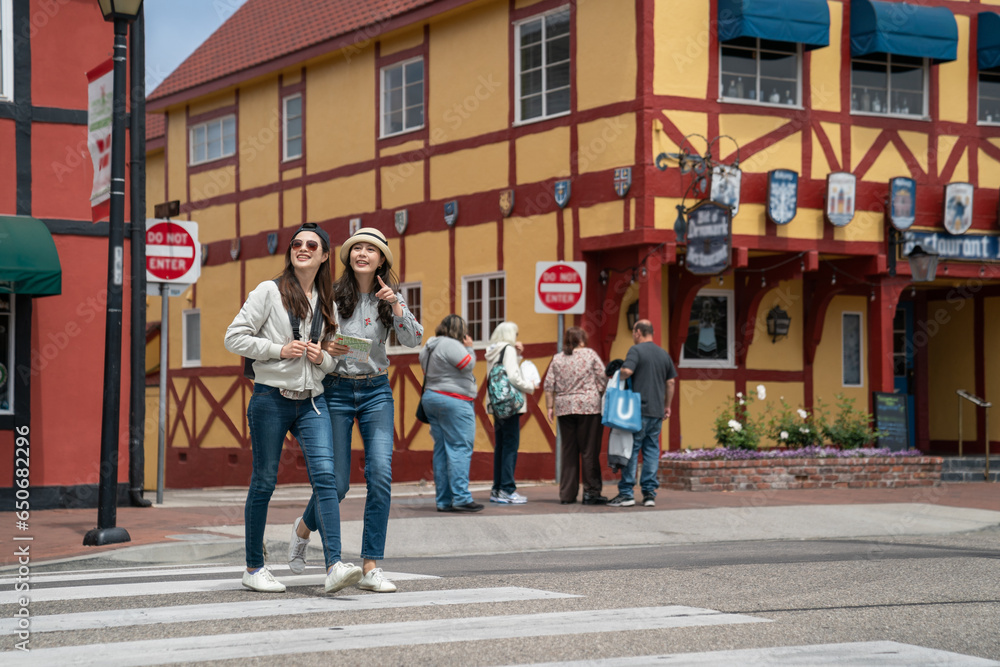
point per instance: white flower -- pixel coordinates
(803, 413)
(761, 393)
(784, 435)
(739, 394)
(735, 425)
(803, 430)
(742, 402)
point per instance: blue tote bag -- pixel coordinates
(622, 408)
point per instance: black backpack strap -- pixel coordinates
(316, 329)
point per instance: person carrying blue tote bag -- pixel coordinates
(622, 408)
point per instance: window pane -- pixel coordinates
(531, 107)
(557, 76)
(557, 102)
(414, 117)
(415, 94)
(869, 83)
(557, 24)
(293, 107)
(229, 144)
(781, 47)
(531, 83)
(708, 329)
(557, 50)
(394, 122)
(852, 349)
(192, 337)
(531, 32)
(778, 65)
(295, 147)
(394, 77)
(989, 97)
(395, 100)
(415, 71)
(531, 57)
(215, 133)
(294, 128)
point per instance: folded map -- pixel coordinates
(360, 347)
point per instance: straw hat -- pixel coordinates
(366, 235)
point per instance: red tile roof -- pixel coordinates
(263, 30)
(156, 126)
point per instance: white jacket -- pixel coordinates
(261, 329)
(512, 365)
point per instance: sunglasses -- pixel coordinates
(311, 245)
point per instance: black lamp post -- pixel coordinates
(923, 264)
(121, 12)
(778, 322)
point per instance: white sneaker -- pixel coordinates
(262, 580)
(297, 550)
(376, 581)
(516, 498)
(342, 575)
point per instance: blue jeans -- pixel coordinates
(368, 401)
(507, 436)
(648, 441)
(453, 427)
(271, 416)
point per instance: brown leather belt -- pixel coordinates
(358, 377)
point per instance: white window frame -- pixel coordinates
(759, 102)
(979, 92)
(6, 50)
(924, 113)
(405, 290)
(484, 279)
(518, 120)
(12, 340)
(730, 360)
(285, 138)
(861, 348)
(186, 316)
(221, 121)
(383, 131)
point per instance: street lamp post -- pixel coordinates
(121, 12)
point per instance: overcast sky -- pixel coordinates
(175, 28)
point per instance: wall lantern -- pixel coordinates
(120, 9)
(923, 264)
(778, 322)
(632, 315)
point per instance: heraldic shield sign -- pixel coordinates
(562, 191)
(782, 195)
(958, 207)
(506, 202)
(451, 212)
(402, 220)
(709, 238)
(234, 249)
(272, 243)
(623, 180)
(840, 196)
(726, 182)
(902, 202)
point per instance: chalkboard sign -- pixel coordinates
(892, 420)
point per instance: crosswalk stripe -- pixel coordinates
(125, 573)
(850, 654)
(169, 587)
(368, 636)
(274, 607)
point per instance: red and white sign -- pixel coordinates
(559, 287)
(100, 108)
(173, 254)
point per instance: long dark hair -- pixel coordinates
(294, 299)
(574, 336)
(452, 326)
(347, 292)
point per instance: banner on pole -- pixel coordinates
(100, 109)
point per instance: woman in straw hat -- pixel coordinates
(369, 307)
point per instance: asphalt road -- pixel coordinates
(880, 601)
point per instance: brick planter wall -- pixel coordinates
(823, 473)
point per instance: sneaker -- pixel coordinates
(594, 500)
(516, 498)
(499, 497)
(468, 507)
(376, 581)
(621, 501)
(297, 550)
(262, 580)
(648, 500)
(342, 575)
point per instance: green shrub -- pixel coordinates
(851, 428)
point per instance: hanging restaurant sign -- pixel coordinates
(782, 195)
(726, 186)
(709, 238)
(841, 191)
(970, 247)
(902, 202)
(958, 207)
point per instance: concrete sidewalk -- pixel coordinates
(194, 526)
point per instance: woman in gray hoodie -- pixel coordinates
(449, 401)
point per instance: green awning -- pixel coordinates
(29, 263)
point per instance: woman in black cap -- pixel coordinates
(281, 327)
(369, 307)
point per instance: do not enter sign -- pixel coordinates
(559, 287)
(172, 251)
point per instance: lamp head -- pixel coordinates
(923, 264)
(113, 10)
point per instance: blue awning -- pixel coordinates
(903, 29)
(988, 40)
(805, 22)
